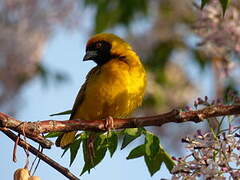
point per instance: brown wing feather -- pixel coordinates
(81, 94)
(66, 138)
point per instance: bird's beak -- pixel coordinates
(90, 55)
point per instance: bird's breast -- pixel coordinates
(116, 90)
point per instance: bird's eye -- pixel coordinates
(98, 45)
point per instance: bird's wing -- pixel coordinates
(81, 94)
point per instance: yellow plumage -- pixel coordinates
(115, 87)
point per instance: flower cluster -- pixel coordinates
(211, 156)
(220, 34)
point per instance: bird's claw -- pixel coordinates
(109, 123)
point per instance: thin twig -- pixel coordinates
(35, 159)
(35, 169)
(41, 156)
(15, 149)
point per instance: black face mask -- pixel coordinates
(99, 52)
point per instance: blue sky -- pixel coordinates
(64, 52)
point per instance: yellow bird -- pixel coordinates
(115, 87)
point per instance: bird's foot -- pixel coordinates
(109, 123)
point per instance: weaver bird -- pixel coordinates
(113, 88)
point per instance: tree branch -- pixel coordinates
(34, 129)
(37, 153)
(23, 128)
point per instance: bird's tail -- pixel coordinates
(65, 139)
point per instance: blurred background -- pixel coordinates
(188, 53)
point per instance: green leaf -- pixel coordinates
(224, 4)
(100, 152)
(137, 152)
(155, 154)
(112, 142)
(43, 72)
(62, 113)
(130, 135)
(167, 159)
(85, 168)
(87, 165)
(201, 58)
(203, 3)
(100, 140)
(127, 140)
(123, 12)
(152, 144)
(162, 50)
(83, 135)
(153, 163)
(74, 147)
(53, 134)
(60, 77)
(132, 131)
(100, 149)
(64, 152)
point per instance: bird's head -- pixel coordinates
(101, 48)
